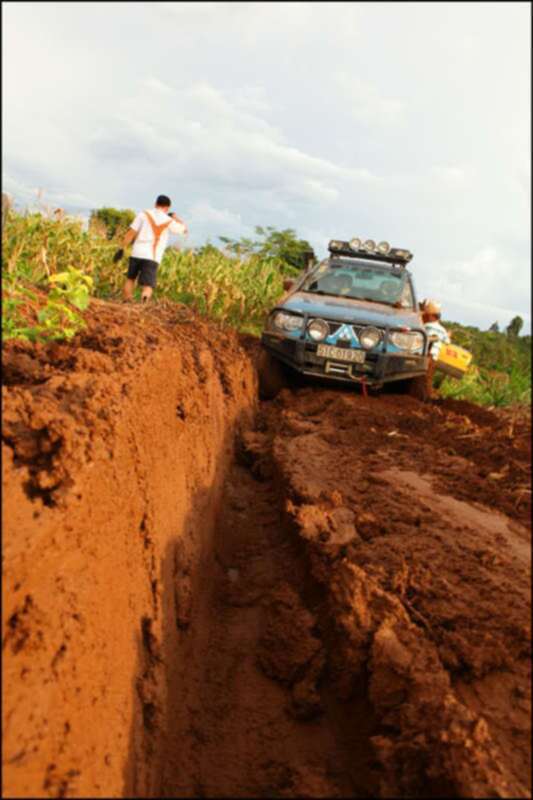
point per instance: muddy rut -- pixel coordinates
(259, 724)
(324, 595)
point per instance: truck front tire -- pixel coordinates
(420, 388)
(271, 374)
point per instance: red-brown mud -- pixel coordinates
(323, 595)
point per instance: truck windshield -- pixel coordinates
(361, 280)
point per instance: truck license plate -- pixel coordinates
(340, 353)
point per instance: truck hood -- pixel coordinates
(358, 312)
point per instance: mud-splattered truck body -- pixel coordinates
(352, 318)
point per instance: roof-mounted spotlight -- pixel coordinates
(401, 255)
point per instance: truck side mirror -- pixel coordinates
(288, 284)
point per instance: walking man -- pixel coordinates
(149, 232)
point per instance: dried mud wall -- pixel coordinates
(113, 459)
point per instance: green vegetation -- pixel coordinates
(55, 316)
(111, 222)
(500, 374)
(50, 266)
(281, 246)
(36, 249)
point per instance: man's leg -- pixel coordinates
(129, 286)
(147, 280)
(430, 375)
(131, 276)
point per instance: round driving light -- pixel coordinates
(369, 338)
(370, 245)
(318, 329)
(355, 244)
(407, 341)
(384, 248)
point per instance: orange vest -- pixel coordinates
(157, 230)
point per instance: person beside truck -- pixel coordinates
(431, 313)
(149, 233)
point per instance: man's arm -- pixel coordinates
(177, 225)
(129, 237)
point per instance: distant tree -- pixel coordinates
(207, 249)
(113, 220)
(514, 327)
(494, 328)
(284, 246)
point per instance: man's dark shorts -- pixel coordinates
(145, 269)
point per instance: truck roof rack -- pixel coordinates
(395, 255)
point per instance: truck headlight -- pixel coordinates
(318, 329)
(355, 243)
(408, 341)
(369, 337)
(287, 322)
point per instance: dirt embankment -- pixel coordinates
(114, 454)
(328, 597)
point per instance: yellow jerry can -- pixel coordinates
(453, 360)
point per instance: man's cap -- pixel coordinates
(431, 307)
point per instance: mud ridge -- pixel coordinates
(112, 459)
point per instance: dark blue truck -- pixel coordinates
(353, 318)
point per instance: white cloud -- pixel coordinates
(34, 196)
(155, 85)
(204, 212)
(201, 134)
(366, 103)
(487, 279)
(449, 176)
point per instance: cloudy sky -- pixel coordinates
(401, 121)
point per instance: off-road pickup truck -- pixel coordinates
(354, 318)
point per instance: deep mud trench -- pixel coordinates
(324, 595)
(252, 712)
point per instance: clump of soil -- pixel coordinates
(428, 588)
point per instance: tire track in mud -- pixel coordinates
(366, 629)
(259, 725)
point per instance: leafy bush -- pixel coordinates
(55, 319)
(112, 221)
(283, 247)
(501, 369)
